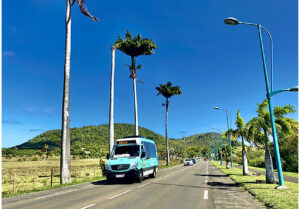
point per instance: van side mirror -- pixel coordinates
(107, 156)
(143, 155)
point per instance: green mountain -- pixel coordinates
(95, 140)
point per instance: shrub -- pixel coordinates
(102, 166)
(35, 158)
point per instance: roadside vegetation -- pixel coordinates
(265, 193)
(31, 176)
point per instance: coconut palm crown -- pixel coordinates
(168, 90)
(135, 47)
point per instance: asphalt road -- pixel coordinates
(177, 187)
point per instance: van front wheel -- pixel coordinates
(140, 176)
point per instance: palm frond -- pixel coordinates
(84, 10)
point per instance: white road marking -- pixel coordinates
(205, 195)
(119, 194)
(55, 194)
(88, 206)
(143, 185)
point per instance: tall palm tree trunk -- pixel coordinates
(65, 160)
(244, 159)
(135, 108)
(167, 142)
(111, 107)
(270, 175)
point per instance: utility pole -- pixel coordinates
(185, 147)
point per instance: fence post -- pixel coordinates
(75, 175)
(51, 176)
(34, 178)
(84, 172)
(14, 184)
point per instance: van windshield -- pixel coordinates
(126, 151)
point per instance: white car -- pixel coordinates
(188, 161)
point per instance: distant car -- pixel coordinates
(194, 160)
(205, 159)
(188, 161)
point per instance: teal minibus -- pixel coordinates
(132, 157)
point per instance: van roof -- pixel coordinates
(138, 139)
(134, 136)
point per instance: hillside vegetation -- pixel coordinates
(95, 140)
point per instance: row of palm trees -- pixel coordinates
(257, 131)
(131, 46)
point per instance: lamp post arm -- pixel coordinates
(277, 92)
(271, 44)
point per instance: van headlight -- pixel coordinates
(107, 167)
(134, 165)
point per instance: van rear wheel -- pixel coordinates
(153, 175)
(140, 176)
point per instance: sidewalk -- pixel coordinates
(227, 194)
(286, 178)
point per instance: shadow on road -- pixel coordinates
(221, 184)
(120, 181)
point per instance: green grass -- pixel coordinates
(266, 193)
(286, 173)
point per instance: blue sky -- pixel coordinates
(214, 64)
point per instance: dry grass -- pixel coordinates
(29, 175)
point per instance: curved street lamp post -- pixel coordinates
(228, 127)
(270, 92)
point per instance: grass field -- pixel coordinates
(29, 176)
(266, 193)
(19, 177)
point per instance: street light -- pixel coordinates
(228, 127)
(220, 145)
(270, 92)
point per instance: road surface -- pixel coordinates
(198, 186)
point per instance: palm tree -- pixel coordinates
(168, 91)
(111, 107)
(65, 161)
(259, 132)
(135, 47)
(242, 132)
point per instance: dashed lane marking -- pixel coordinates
(88, 206)
(119, 194)
(205, 195)
(143, 185)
